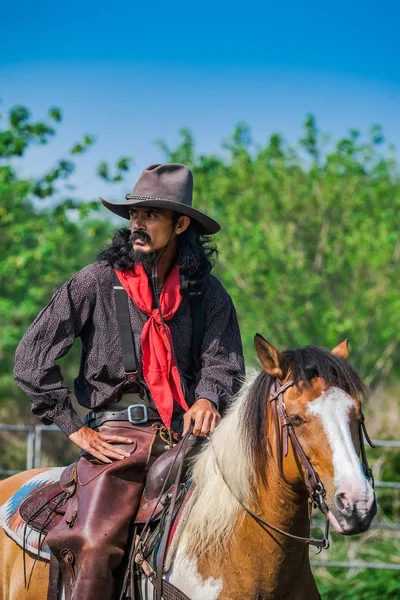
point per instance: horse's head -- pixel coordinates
(323, 407)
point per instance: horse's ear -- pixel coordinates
(342, 349)
(271, 359)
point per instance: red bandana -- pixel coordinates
(159, 369)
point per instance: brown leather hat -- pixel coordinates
(164, 186)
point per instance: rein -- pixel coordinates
(283, 431)
(162, 587)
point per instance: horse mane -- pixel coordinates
(239, 447)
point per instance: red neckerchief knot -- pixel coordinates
(160, 371)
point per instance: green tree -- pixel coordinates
(309, 247)
(310, 240)
(41, 246)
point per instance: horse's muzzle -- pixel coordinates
(350, 513)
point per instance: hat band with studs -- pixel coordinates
(135, 197)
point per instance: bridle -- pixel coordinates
(284, 431)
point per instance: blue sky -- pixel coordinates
(131, 73)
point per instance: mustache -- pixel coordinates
(140, 235)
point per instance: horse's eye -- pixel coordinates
(296, 420)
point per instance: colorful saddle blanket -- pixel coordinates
(13, 517)
(13, 523)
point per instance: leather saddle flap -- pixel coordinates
(162, 475)
(43, 509)
(68, 479)
(148, 505)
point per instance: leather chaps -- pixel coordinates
(90, 541)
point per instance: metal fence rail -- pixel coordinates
(354, 565)
(33, 447)
(34, 459)
(30, 447)
(35, 435)
(386, 443)
(374, 525)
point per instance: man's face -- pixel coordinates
(151, 228)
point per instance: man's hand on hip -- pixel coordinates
(97, 444)
(204, 417)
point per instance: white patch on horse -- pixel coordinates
(333, 408)
(185, 576)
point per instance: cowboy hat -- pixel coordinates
(164, 186)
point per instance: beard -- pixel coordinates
(146, 259)
(142, 257)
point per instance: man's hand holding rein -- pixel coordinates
(204, 417)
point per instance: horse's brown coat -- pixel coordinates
(263, 564)
(281, 565)
(11, 557)
(260, 564)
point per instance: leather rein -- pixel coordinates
(283, 431)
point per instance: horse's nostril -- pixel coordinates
(345, 506)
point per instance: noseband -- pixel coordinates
(285, 430)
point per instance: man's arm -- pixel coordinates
(49, 338)
(222, 364)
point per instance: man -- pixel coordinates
(162, 262)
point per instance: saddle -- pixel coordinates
(44, 508)
(159, 505)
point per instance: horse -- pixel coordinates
(292, 437)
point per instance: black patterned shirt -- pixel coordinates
(84, 307)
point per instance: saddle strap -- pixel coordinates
(54, 579)
(137, 553)
(160, 582)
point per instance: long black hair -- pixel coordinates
(196, 254)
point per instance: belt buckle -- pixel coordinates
(138, 421)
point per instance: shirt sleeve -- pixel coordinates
(222, 365)
(50, 337)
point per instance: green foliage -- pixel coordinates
(86, 142)
(41, 246)
(310, 244)
(309, 247)
(366, 585)
(386, 467)
(21, 131)
(360, 584)
(309, 251)
(123, 165)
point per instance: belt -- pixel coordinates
(137, 414)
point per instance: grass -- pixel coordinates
(355, 584)
(375, 546)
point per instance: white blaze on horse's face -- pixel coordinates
(352, 502)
